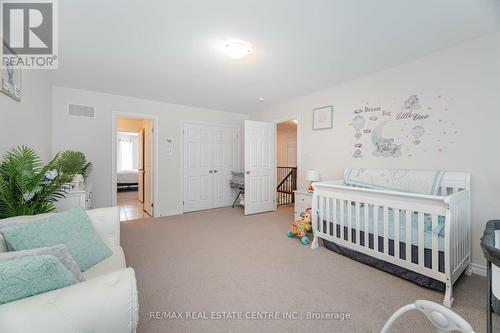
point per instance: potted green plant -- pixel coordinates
(72, 162)
(28, 187)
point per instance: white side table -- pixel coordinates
(303, 201)
(77, 197)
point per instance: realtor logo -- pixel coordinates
(29, 34)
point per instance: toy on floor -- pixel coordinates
(301, 227)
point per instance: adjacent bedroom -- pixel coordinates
(134, 158)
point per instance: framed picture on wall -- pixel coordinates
(323, 117)
(10, 78)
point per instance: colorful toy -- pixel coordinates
(301, 227)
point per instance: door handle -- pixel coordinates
(248, 172)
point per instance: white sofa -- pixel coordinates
(105, 303)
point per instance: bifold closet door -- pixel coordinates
(198, 180)
(226, 158)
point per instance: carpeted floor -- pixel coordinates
(220, 261)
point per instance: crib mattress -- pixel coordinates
(428, 231)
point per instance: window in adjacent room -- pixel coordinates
(128, 151)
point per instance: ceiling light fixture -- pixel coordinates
(261, 99)
(237, 49)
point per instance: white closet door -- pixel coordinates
(198, 180)
(226, 158)
(260, 167)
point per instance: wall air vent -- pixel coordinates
(81, 110)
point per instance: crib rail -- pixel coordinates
(459, 231)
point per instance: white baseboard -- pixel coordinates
(172, 212)
(478, 269)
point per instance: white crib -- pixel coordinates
(344, 212)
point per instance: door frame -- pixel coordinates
(156, 152)
(194, 122)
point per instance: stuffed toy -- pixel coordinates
(301, 227)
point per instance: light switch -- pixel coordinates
(170, 150)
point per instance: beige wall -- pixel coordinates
(130, 124)
(286, 133)
(28, 122)
(460, 84)
(93, 137)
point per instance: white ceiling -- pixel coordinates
(169, 50)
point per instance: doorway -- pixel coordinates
(134, 174)
(286, 157)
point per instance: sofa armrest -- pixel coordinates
(104, 304)
(106, 221)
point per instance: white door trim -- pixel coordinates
(181, 145)
(156, 143)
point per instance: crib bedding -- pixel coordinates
(428, 231)
(385, 266)
(417, 278)
(402, 180)
(402, 246)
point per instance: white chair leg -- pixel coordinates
(448, 295)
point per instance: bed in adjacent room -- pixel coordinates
(127, 180)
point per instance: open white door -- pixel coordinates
(148, 168)
(260, 167)
(140, 180)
